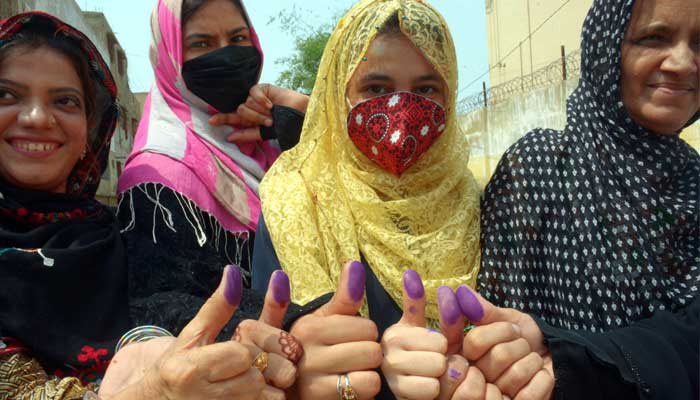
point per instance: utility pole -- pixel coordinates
(529, 35)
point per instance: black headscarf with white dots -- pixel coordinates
(597, 225)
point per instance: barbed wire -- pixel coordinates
(552, 73)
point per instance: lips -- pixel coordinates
(35, 149)
(674, 87)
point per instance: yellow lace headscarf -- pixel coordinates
(325, 203)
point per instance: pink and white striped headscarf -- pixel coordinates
(175, 145)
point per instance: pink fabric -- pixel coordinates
(168, 150)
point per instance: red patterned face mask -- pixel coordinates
(394, 130)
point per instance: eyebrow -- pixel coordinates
(52, 91)
(373, 76)
(12, 83)
(429, 77)
(655, 27)
(66, 89)
(208, 36)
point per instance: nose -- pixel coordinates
(682, 60)
(37, 116)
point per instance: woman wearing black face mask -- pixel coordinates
(189, 192)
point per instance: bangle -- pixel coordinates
(141, 334)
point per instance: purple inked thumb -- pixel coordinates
(216, 311)
(347, 299)
(413, 299)
(276, 300)
(471, 304)
(451, 319)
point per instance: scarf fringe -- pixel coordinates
(199, 221)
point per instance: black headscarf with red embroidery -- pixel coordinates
(63, 285)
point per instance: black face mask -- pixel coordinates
(223, 77)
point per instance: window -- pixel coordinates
(134, 127)
(122, 63)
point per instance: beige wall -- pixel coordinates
(508, 25)
(491, 131)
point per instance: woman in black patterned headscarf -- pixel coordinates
(598, 225)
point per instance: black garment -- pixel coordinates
(171, 278)
(286, 127)
(383, 311)
(597, 226)
(64, 283)
(62, 261)
(655, 358)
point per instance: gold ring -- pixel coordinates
(260, 361)
(346, 392)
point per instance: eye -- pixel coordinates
(240, 38)
(426, 90)
(7, 96)
(69, 103)
(199, 45)
(377, 90)
(651, 40)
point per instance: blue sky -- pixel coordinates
(130, 19)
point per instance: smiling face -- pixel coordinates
(393, 64)
(43, 122)
(661, 64)
(216, 24)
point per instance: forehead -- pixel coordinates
(41, 66)
(214, 15)
(677, 13)
(395, 56)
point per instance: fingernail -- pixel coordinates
(413, 284)
(268, 122)
(454, 374)
(447, 303)
(234, 286)
(469, 304)
(431, 330)
(356, 281)
(280, 287)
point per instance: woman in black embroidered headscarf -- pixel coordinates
(598, 226)
(62, 262)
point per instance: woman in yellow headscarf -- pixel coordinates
(380, 174)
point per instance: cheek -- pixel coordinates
(7, 118)
(75, 129)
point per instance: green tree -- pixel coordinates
(309, 42)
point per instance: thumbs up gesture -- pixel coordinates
(507, 350)
(265, 338)
(340, 348)
(415, 358)
(192, 366)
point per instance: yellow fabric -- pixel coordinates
(325, 203)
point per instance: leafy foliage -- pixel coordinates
(309, 43)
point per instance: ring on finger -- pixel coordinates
(260, 362)
(346, 392)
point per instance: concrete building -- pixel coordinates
(530, 93)
(97, 28)
(526, 35)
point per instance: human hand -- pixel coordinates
(507, 347)
(193, 366)
(414, 357)
(256, 111)
(337, 342)
(264, 335)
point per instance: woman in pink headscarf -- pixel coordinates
(189, 199)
